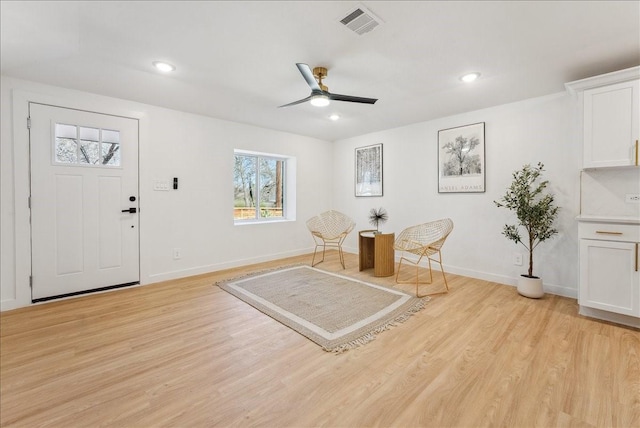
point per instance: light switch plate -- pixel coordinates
(632, 198)
(161, 185)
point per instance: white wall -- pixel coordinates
(197, 218)
(542, 129)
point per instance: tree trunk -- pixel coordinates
(279, 184)
(530, 254)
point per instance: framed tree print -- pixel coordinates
(461, 159)
(369, 170)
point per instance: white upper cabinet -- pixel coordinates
(611, 125)
(611, 118)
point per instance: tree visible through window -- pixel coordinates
(81, 145)
(258, 182)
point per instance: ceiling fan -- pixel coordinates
(320, 94)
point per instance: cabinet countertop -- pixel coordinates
(609, 219)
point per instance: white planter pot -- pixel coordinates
(530, 287)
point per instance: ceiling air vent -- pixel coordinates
(361, 20)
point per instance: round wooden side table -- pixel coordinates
(376, 251)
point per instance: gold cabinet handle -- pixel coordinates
(604, 232)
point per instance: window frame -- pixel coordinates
(288, 187)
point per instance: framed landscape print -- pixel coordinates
(461, 159)
(369, 170)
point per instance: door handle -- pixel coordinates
(130, 210)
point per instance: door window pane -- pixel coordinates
(66, 145)
(111, 154)
(89, 153)
(66, 131)
(109, 136)
(83, 145)
(89, 134)
(66, 150)
(110, 147)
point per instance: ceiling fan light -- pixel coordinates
(319, 101)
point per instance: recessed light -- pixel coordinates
(164, 66)
(334, 117)
(470, 77)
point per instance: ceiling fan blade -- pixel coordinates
(308, 76)
(296, 102)
(338, 97)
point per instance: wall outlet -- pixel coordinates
(632, 198)
(517, 259)
(177, 254)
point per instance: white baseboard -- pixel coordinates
(610, 316)
(486, 276)
(561, 291)
(199, 270)
(498, 278)
(10, 304)
(507, 280)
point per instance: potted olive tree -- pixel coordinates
(536, 213)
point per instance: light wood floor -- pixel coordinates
(186, 354)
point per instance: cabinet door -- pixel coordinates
(609, 279)
(611, 119)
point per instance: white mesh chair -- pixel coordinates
(329, 229)
(424, 241)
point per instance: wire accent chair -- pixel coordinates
(329, 229)
(425, 241)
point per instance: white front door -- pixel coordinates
(84, 201)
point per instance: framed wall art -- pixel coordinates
(369, 170)
(461, 159)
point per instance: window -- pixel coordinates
(82, 145)
(259, 187)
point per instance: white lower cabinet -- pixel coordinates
(608, 279)
(610, 271)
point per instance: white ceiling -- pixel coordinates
(236, 59)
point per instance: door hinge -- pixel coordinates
(29, 122)
(29, 202)
(30, 281)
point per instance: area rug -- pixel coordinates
(335, 311)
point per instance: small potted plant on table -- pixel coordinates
(377, 216)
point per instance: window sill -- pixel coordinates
(262, 221)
